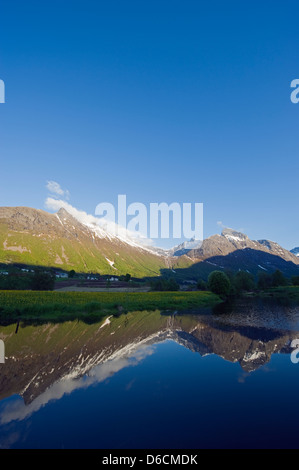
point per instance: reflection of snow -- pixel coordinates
(253, 356)
(17, 410)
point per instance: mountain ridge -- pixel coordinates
(36, 237)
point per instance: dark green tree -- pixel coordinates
(15, 282)
(243, 281)
(172, 285)
(165, 285)
(264, 281)
(278, 279)
(219, 283)
(72, 273)
(42, 281)
(201, 285)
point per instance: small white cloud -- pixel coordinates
(221, 224)
(55, 189)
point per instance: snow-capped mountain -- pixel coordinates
(76, 241)
(233, 250)
(61, 240)
(185, 247)
(231, 241)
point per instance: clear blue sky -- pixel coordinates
(160, 100)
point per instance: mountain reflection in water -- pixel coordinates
(46, 362)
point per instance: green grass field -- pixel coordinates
(89, 306)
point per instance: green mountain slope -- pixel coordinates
(36, 237)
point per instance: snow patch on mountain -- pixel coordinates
(110, 262)
(100, 227)
(233, 235)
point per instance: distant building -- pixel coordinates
(61, 275)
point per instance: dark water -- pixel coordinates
(146, 380)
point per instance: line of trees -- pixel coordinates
(224, 284)
(164, 285)
(39, 280)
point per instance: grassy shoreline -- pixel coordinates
(88, 306)
(288, 295)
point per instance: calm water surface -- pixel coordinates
(152, 380)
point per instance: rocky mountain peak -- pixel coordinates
(233, 235)
(65, 217)
(62, 212)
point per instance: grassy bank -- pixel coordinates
(88, 306)
(288, 295)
